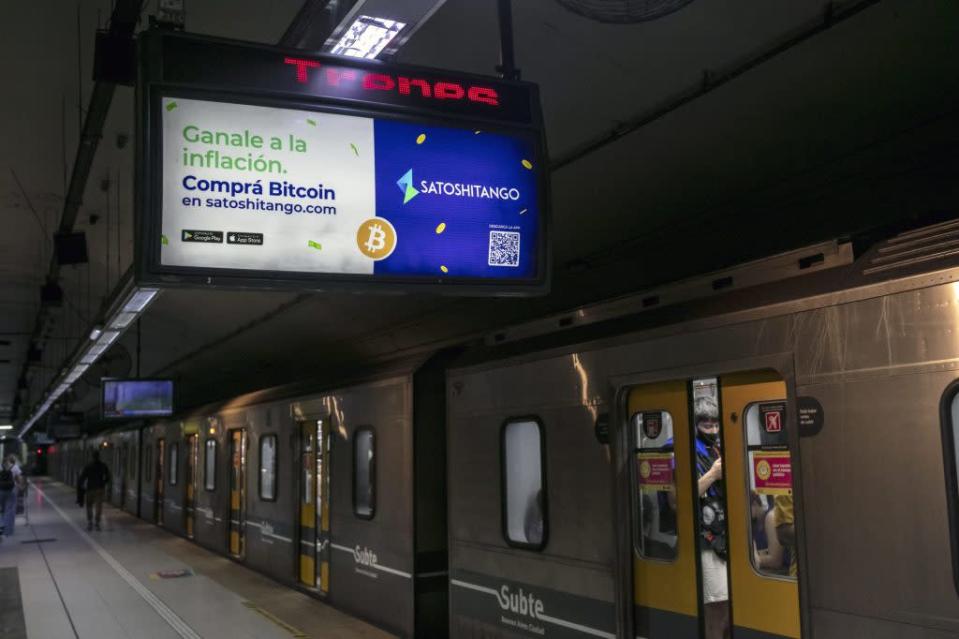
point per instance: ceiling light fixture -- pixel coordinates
(369, 29)
(367, 37)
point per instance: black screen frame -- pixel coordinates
(103, 390)
(152, 88)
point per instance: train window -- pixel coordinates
(523, 484)
(147, 463)
(209, 465)
(268, 467)
(656, 502)
(173, 462)
(772, 527)
(364, 473)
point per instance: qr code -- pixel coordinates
(503, 248)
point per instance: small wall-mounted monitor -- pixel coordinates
(128, 398)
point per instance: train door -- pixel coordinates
(237, 491)
(121, 475)
(159, 481)
(713, 521)
(189, 503)
(315, 505)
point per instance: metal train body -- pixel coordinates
(388, 568)
(872, 342)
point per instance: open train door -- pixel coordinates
(159, 481)
(758, 462)
(314, 509)
(237, 520)
(703, 553)
(665, 591)
(190, 487)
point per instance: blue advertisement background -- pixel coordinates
(455, 156)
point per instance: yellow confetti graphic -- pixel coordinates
(421, 138)
(444, 269)
(440, 227)
(477, 132)
(527, 164)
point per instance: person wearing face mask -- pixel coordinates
(713, 550)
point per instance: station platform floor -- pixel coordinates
(59, 581)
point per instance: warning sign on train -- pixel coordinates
(773, 416)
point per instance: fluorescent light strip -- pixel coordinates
(139, 300)
(135, 303)
(367, 37)
(123, 319)
(107, 338)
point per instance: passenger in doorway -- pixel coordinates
(10, 480)
(92, 483)
(713, 550)
(785, 520)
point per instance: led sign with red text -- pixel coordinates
(187, 60)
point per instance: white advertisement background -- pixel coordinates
(330, 159)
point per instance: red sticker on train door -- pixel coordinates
(772, 472)
(655, 471)
(652, 424)
(773, 416)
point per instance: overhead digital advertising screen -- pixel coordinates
(336, 188)
(129, 398)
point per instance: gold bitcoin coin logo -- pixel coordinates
(376, 238)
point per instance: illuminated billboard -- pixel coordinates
(317, 173)
(129, 398)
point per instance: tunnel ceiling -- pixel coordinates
(848, 130)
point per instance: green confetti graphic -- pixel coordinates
(171, 106)
(355, 150)
(315, 245)
(163, 240)
(311, 122)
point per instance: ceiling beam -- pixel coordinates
(123, 22)
(712, 80)
(308, 29)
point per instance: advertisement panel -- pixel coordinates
(272, 171)
(656, 471)
(270, 189)
(772, 471)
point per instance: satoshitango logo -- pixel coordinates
(455, 189)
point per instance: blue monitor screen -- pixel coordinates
(137, 398)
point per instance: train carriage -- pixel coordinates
(829, 391)
(320, 485)
(540, 483)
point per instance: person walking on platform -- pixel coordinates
(9, 483)
(92, 484)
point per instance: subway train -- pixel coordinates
(539, 481)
